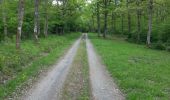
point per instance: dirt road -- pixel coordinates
(67, 76)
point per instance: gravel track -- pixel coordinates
(49, 86)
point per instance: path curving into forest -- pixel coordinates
(102, 85)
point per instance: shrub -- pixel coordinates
(159, 46)
(168, 48)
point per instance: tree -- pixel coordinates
(4, 13)
(4, 17)
(20, 22)
(36, 19)
(138, 20)
(114, 16)
(46, 18)
(150, 11)
(122, 21)
(98, 18)
(106, 5)
(129, 17)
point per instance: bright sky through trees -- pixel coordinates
(55, 2)
(89, 1)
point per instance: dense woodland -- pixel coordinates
(142, 21)
(31, 19)
(35, 33)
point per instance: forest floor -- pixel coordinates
(78, 75)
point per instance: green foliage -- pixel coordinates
(168, 48)
(121, 12)
(159, 46)
(65, 16)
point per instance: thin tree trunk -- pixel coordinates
(115, 23)
(150, 8)
(46, 19)
(4, 18)
(63, 16)
(122, 23)
(129, 22)
(38, 23)
(115, 1)
(39, 27)
(129, 17)
(98, 19)
(138, 20)
(112, 22)
(20, 22)
(105, 24)
(93, 29)
(105, 18)
(36, 20)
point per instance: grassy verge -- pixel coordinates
(76, 86)
(141, 73)
(30, 60)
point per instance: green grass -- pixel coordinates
(141, 73)
(32, 57)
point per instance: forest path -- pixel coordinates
(102, 85)
(49, 86)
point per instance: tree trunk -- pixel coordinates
(138, 21)
(20, 22)
(105, 18)
(129, 22)
(4, 18)
(98, 19)
(129, 17)
(36, 20)
(46, 19)
(115, 1)
(150, 8)
(122, 23)
(63, 16)
(115, 23)
(105, 24)
(112, 22)
(93, 27)
(39, 27)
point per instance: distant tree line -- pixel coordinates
(24, 19)
(143, 21)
